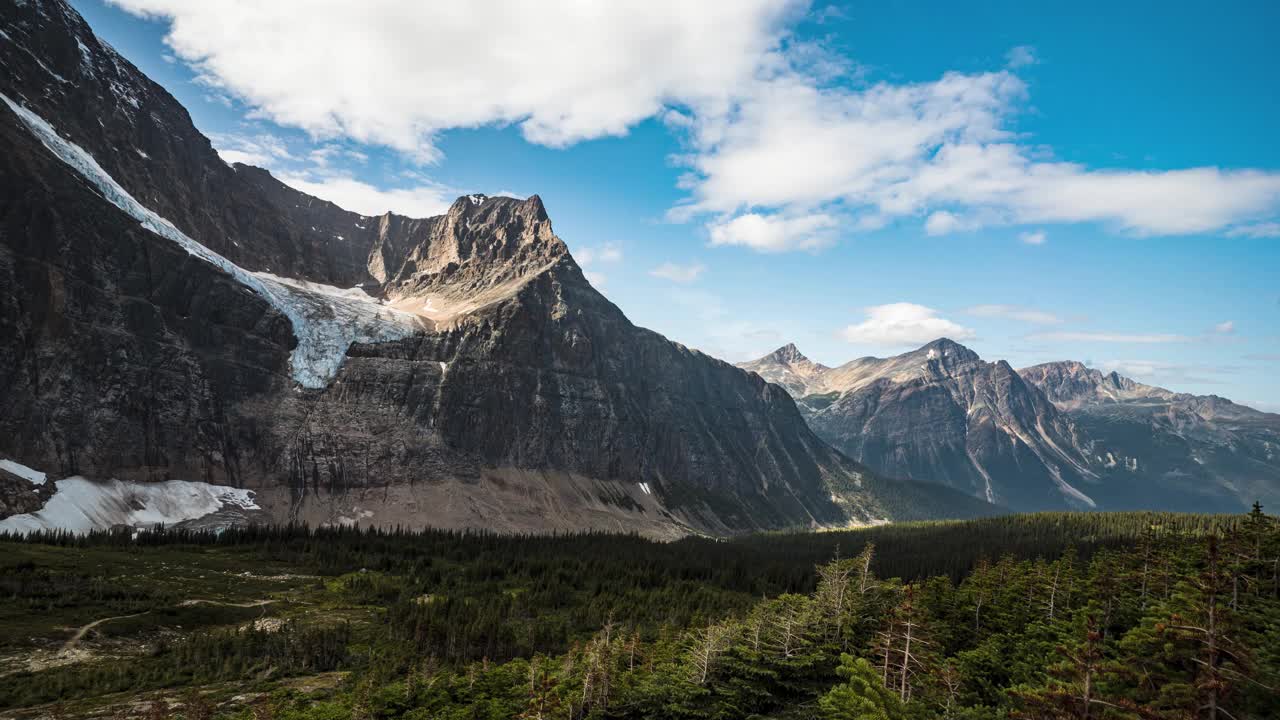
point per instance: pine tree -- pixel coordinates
(861, 696)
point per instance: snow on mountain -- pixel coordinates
(35, 477)
(326, 320)
(82, 505)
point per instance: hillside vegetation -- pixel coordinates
(1125, 615)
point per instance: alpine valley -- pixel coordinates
(190, 342)
(267, 457)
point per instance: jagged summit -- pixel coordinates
(788, 367)
(1071, 384)
(788, 353)
(949, 349)
(941, 413)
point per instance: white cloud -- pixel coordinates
(1226, 327)
(607, 253)
(678, 273)
(232, 157)
(1106, 337)
(1014, 312)
(770, 137)
(1033, 238)
(398, 73)
(1021, 56)
(361, 197)
(774, 233)
(597, 279)
(941, 150)
(943, 222)
(1257, 231)
(898, 324)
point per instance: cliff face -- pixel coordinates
(166, 316)
(1202, 451)
(1058, 435)
(942, 414)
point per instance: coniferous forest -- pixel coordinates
(1091, 616)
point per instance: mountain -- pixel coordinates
(1220, 454)
(793, 371)
(175, 327)
(1052, 436)
(942, 414)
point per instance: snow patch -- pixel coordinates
(35, 477)
(476, 199)
(645, 487)
(81, 505)
(86, 57)
(326, 320)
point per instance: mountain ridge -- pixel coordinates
(1104, 440)
(213, 345)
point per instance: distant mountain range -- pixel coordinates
(1058, 435)
(168, 318)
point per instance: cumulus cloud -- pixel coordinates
(398, 73)
(899, 324)
(678, 273)
(940, 149)
(775, 148)
(774, 233)
(944, 222)
(1014, 312)
(1108, 337)
(1033, 238)
(351, 194)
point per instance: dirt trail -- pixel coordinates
(75, 639)
(254, 603)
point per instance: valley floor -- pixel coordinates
(1019, 616)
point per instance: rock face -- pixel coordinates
(1053, 436)
(166, 316)
(942, 414)
(787, 367)
(1204, 449)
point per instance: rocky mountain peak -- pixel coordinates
(787, 354)
(948, 351)
(1069, 383)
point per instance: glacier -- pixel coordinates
(326, 320)
(81, 505)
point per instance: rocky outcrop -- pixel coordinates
(510, 395)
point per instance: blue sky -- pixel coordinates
(1041, 181)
